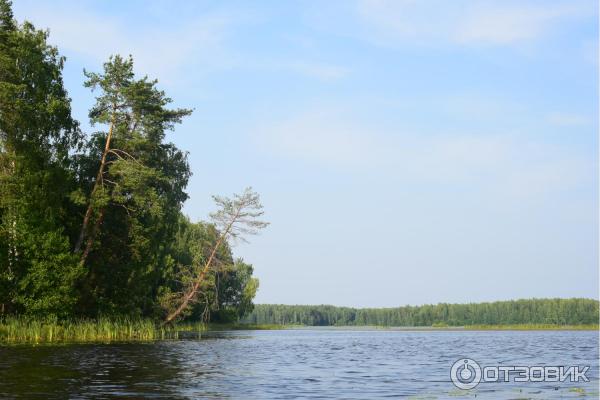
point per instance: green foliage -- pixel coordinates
(48, 286)
(235, 290)
(140, 192)
(140, 245)
(37, 272)
(517, 312)
(227, 292)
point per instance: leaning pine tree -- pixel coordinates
(234, 219)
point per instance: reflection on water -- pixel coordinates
(285, 364)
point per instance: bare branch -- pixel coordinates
(234, 218)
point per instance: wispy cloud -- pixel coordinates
(567, 119)
(159, 52)
(464, 23)
(316, 70)
(506, 23)
(319, 137)
(325, 72)
(500, 161)
(336, 139)
(202, 40)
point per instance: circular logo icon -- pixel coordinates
(465, 373)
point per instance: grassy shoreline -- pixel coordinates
(17, 330)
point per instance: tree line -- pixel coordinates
(531, 311)
(91, 222)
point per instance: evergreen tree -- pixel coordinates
(136, 183)
(92, 226)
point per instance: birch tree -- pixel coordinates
(37, 133)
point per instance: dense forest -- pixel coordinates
(91, 222)
(534, 311)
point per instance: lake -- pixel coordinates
(308, 363)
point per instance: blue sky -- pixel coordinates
(406, 152)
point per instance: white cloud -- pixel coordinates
(590, 51)
(318, 136)
(202, 41)
(159, 51)
(323, 72)
(503, 163)
(567, 119)
(505, 23)
(335, 137)
(311, 69)
(460, 22)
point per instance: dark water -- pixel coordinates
(297, 363)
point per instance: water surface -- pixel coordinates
(308, 363)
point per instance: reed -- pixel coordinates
(16, 330)
(22, 330)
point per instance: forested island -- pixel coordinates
(538, 312)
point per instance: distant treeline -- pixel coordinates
(533, 311)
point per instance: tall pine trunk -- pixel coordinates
(90, 210)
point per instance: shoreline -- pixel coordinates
(34, 332)
(524, 327)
